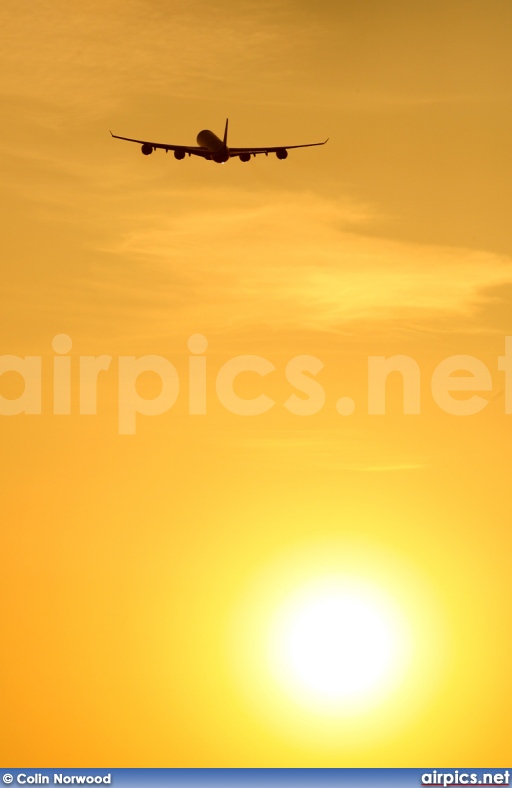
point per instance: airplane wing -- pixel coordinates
(191, 150)
(273, 149)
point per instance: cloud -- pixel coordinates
(93, 55)
(300, 260)
(329, 450)
(92, 59)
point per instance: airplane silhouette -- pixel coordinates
(212, 148)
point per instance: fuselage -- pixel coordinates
(218, 149)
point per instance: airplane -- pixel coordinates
(212, 148)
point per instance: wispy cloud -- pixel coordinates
(329, 450)
(302, 260)
(96, 54)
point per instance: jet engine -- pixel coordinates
(282, 153)
(245, 157)
(221, 157)
(179, 153)
(147, 149)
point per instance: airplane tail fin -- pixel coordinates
(225, 141)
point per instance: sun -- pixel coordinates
(337, 643)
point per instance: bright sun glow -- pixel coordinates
(336, 643)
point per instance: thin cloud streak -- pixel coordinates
(94, 56)
(306, 262)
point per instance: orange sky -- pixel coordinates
(129, 562)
